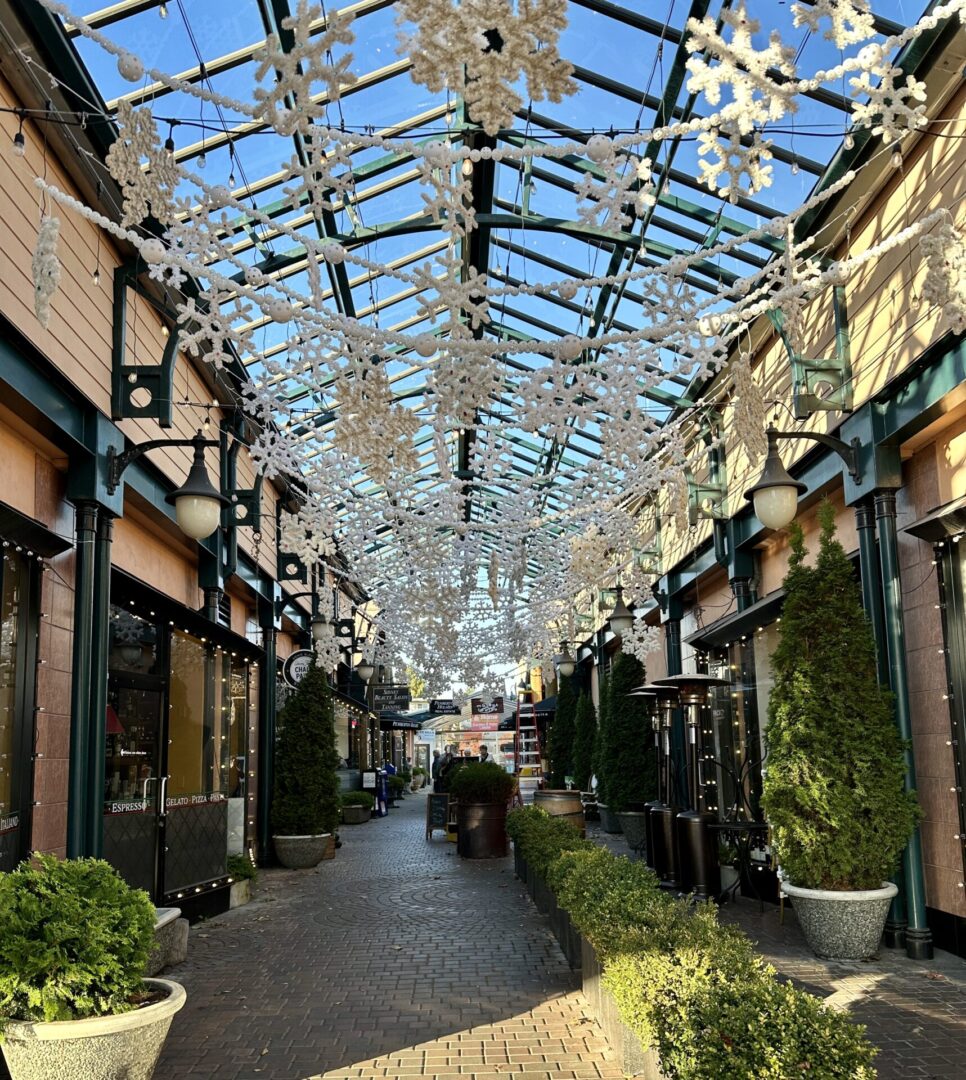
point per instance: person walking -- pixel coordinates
(434, 768)
(444, 766)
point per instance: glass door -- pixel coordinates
(134, 780)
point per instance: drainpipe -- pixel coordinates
(741, 587)
(100, 645)
(212, 600)
(77, 796)
(918, 936)
(896, 924)
(266, 739)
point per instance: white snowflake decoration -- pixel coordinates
(889, 110)
(641, 639)
(323, 180)
(482, 48)
(851, 20)
(148, 189)
(735, 161)
(945, 285)
(736, 64)
(294, 73)
(45, 267)
(750, 417)
(605, 204)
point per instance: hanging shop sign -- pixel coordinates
(426, 735)
(484, 723)
(444, 706)
(297, 666)
(487, 708)
(390, 698)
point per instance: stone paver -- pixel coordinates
(396, 959)
(914, 1012)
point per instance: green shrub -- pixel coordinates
(560, 737)
(585, 739)
(694, 989)
(358, 798)
(482, 782)
(241, 868)
(306, 797)
(396, 786)
(74, 939)
(833, 791)
(603, 721)
(627, 765)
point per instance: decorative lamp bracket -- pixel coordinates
(706, 500)
(155, 382)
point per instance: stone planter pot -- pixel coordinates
(519, 864)
(355, 815)
(241, 893)
(634, 827)
(842, 925)
(170, 941)
(481, 830)
(122, 1047)
(301, 852)
(729, 880)
(609, 822)
(542, 896)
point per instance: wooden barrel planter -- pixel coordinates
(481, 830)
(563, 804)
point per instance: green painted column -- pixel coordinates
(896, 924)
(918, 935)
(266, 742)
(80, 701)
(679, 752)
(100, 644)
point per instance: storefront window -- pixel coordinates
(14, 576)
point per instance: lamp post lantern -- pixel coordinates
(565, 662)
(621, 618)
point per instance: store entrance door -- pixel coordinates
(134, 780)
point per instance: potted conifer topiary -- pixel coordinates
(585, 738)
(609, 821)
(627, 764)
(74, 941)
(560, 738)
(833, 789)
(482, 791)
(305, 807)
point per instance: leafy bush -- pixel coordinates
(482, 782)
(358, 798)
(834, 788)
(74, 939)
(396, 786)
(541, 837)
(241, 868)
(560, 737)
(306, 797)
(419, 771)
(585, 739)
(695, 990)
(627, 766)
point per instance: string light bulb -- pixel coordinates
(19, 142)
(848, 142)
(163, 9)
(896, 157)
(202, 160)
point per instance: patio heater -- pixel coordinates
(698, 858)
(662, 855)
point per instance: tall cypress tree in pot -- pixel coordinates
(627, 760)
(560, 739)
(833, 788)
(608, 819)
(585, 740)
(305, 806)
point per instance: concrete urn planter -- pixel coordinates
(122, 1047)
(301, 852)
(356, 815)
(609, 821)
(842, 925)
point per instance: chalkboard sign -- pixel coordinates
(437, 812)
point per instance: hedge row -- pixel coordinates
(683, 983)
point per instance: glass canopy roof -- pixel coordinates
(629, 65)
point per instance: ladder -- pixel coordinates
(527, 758)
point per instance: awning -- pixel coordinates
(30, 534)
(548, 705)
(739, 623)
(402, 721)
(941, 523)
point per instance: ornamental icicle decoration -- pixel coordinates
(45, 267)
(945, 286)
(482, 48)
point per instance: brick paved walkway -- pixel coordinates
(914, 1012)
(396, 959)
